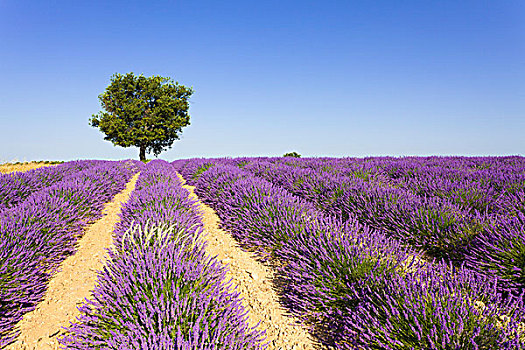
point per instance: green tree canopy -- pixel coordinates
(292, 154)
(145, 112)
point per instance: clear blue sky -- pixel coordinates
(323, 78)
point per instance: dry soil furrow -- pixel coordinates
(253, 281)
(74, 282)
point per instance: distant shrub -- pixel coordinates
(292, 154)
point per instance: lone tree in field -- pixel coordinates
(148, 113)
(292, 154)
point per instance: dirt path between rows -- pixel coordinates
(75, 280)
(253, 281)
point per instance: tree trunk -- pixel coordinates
(142, 153)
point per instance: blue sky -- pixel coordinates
(323, 78)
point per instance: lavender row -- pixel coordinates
(160, 290)
(355, 287)
(39, 233)
(439, 227)
(16, 187)
(483, 184)
(492, 245)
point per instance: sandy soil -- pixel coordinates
(253, 281)
(9, 168)
(74, 282)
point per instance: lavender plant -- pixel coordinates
(163, 292)
(500, 250)
(433, 309)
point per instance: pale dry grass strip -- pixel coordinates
(253, 280)
(73, 283)
(11, 168)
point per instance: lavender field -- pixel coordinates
(42, 214)
(384, 253)
(368, 253)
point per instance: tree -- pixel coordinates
(292, 154)
(145, 112)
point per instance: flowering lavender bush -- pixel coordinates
(323, 267)
(158, 199)
(237, 194)
(37, 234)
(160, 290)
(500, 250)
(432, 308)
(513, 204)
